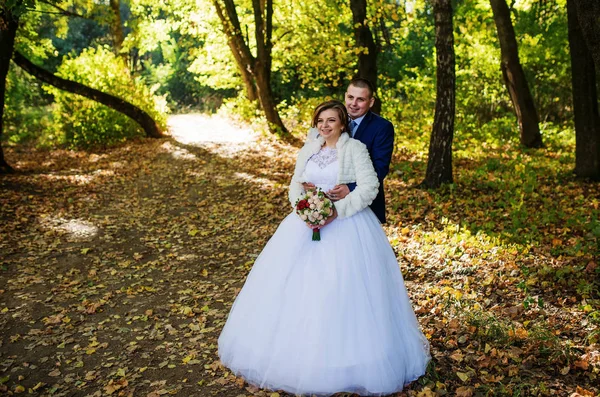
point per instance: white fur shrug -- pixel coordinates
(354, 166)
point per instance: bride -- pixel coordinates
(320, 317)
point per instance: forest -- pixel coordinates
(146, 150)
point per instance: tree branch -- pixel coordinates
(120, 105)
(62, 10)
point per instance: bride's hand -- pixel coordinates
(338, 192)
(308, 186)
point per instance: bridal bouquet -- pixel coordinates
(314, 208)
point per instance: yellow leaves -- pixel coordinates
(191, 360)
(464, 376)
(114, 386)
(38, 386)
(56, 373)
(84, 251)
(464, 391)
(457, 356)
(53, 320)
(186, 310)
(426, 392)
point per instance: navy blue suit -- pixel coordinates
(378, 134)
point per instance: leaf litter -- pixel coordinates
(118, 269)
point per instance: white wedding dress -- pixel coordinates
(320, 317)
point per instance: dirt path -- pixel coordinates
(118, 268)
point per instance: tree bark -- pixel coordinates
(367, 62)
(514, 77)
(8, 29)
(256, 69)
(585, 100)
(588, 15)
(120, 105)
(439, 164)
(263, 19)
(116, 28)
(239, 49)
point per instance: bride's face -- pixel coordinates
(329, 124)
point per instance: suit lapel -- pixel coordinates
(363, 126)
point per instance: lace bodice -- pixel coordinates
(322, 168)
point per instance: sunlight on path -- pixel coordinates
(213, 133)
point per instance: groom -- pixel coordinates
(372, 130)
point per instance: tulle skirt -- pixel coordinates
(320, 317)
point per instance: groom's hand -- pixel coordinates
(338, 192)
(308, 186)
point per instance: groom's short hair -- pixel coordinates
(361, 82)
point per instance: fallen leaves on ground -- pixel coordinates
(119, 268)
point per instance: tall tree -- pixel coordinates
(585, 99)
(9, 24)
(116, 27)
(439, 164)
(367, 58)
(588, 13)
(257, 67)
(514, 77)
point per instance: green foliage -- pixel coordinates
(541, 29)
(80, 122)
(179, 49)
(25, 108)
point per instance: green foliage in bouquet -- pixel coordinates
(83, 123)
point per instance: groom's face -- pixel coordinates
(358, 101)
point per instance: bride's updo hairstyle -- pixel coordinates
(335, 105)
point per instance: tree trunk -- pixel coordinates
(514, 77)
(120, 105)
(246, 75)
(254, 69)
(439, 164)
(239, 49)
(267, 103)
(116, 28)
(588, 15)
(263, 19)
(8, 30)
(367, 62)
(585, 100)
